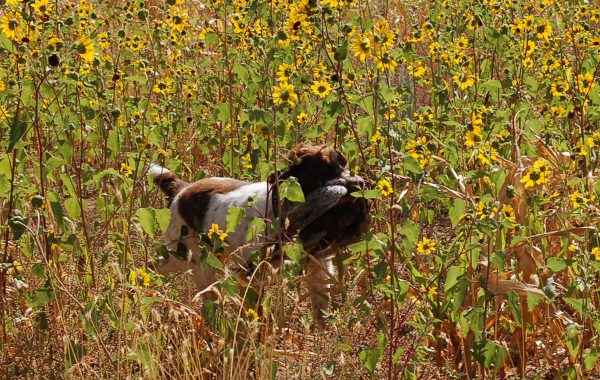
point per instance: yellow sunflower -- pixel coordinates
(362, 46)
(43, 7)
(12, 25)
(464, 79)
(385, 62)
(85, 49)
(284, 94)
(251, 314)
(126, 169)
(321, 88)
(426, 246)
(559, 88)
(543, 29)
(585, 82)
(386, 187)
(487, 154)
(163, 86)
(538, 174)
(285, 72)
(178, 19)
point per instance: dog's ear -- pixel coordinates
(337, 158)
(297, 153)
(294, 157)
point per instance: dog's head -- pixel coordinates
(313, 166)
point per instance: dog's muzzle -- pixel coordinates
(347, 180)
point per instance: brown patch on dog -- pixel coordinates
(170, 184)
(193, 201)
(313, 166)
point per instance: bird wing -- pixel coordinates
(316, 204)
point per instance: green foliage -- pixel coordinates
(290, 189)
(474, 123)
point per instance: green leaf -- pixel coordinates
(577, 304)
(573, 340)
(39, 270)
(366, 103)
(17, 131)
(484, 352)
(410, 231)
(40, 297)
(343, 347)
(143, 356)
(430, 193)
(163, 217)
(293, 251)
(590, 357)
(498, 260)
(472, 320)
(146, 218)
(136, 79)
(146, 301)
(556, 264)
(213, 261)
(367, 194)
(457, 211)
(291, 190)
(27, 92)
(369, 359)
(341, 52)
(454, 273)
(514, 304)
(402, 288)
(491, 85)
(222, 112)
(211, 37)
(365, 125)
(412, 165)
(234, 217)
(532, 83)
(255, 227)
(101, 174)
(456, 293)
(68, 183)
(17, 224)
(533, 300)
(73, 209)
(398, 354)
(7, 44)
(567, 373)
(88, 112)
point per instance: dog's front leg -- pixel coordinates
(318, 282)
(202, 277)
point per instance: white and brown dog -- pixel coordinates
(329, 218)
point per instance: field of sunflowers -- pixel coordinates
(476, 122)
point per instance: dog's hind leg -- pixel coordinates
(318, 282)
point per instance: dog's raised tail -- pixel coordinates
(166, 180)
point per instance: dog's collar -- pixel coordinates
(275, 199)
